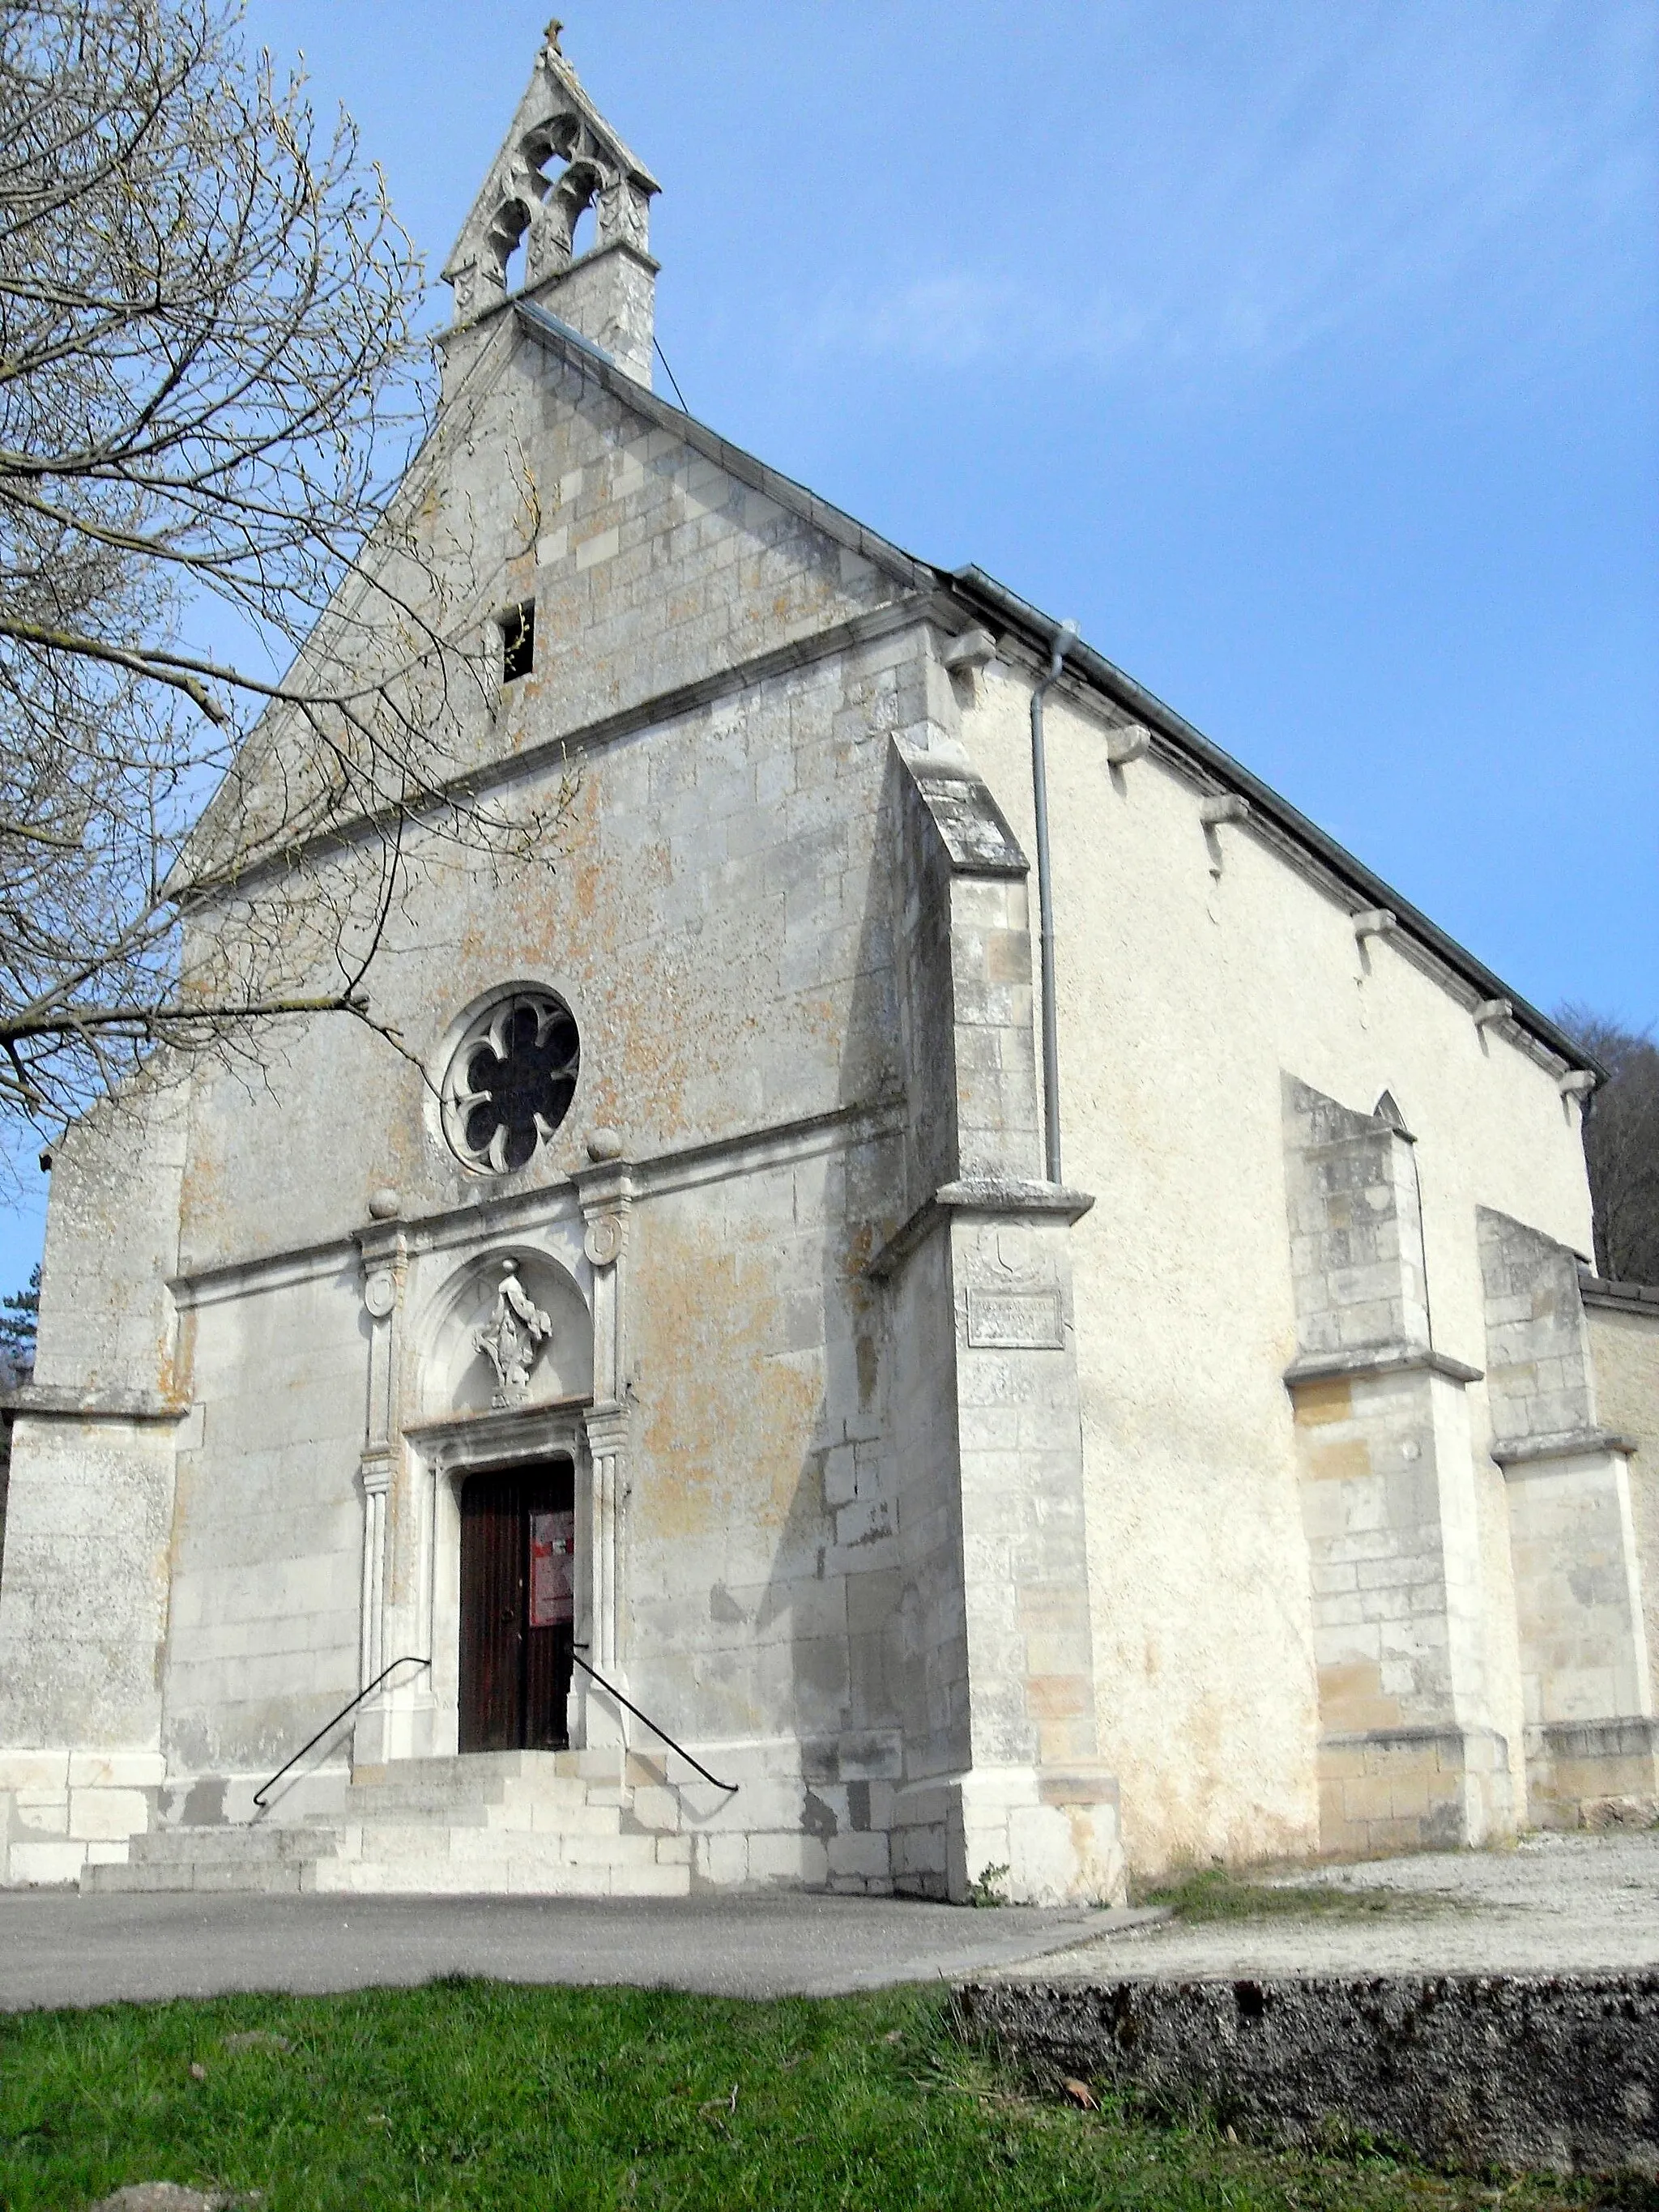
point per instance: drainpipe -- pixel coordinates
(1063, 639)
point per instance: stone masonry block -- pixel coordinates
(863, 1522)
(794, 1858)
(862, 1855)
(50, 1819)
(35, 1770)
(722, 1861)
(840, 1476)
(657, 1809)
(918, 1850)
(117, 1769)
(107, 1815)
(46, 1865)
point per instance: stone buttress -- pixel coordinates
(1408, 1752)
(1005, 1793)
(1590, 1731)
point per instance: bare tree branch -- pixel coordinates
(212, 382)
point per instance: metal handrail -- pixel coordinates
(610, 1690)
(409, 1659)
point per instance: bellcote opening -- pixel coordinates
(564, 217)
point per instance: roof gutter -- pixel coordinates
(1037, 630)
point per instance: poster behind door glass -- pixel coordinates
(552, 1560)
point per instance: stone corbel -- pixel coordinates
(1127, 744)
(1214, 813)
(967, 657)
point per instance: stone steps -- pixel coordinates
(263, 1859)
(393, 1801)
(547, 1823)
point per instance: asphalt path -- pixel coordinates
(59, 1948)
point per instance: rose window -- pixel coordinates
(511, 1081)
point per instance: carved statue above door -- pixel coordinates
(511, 1338)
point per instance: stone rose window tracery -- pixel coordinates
(511, 1081)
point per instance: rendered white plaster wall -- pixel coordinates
(1191, 971)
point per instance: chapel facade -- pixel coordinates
(966, 1303)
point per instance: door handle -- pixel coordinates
(509, 1616)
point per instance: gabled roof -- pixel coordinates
(979, 598)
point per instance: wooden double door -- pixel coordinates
(518, 1563)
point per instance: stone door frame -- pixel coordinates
(442, 1455)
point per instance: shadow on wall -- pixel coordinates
(835, 1578)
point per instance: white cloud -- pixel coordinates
(1404, 175)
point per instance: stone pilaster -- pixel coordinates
(389, 1718)
(606, 1195)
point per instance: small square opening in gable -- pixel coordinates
(518, 628)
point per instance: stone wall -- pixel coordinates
(791, 929)
(85, 1569)
(1525, 2073)
(918, 1481)
(719, 917)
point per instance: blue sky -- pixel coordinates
(1305, 354)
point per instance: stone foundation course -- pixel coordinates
(1466, 2072)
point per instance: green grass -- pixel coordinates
(1218, 1894)
(476, 2094)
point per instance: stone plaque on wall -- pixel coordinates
(1015, 1320)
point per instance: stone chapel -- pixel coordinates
(971, 1304)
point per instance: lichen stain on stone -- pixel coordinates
(1344, 1463)
(727, 1425)
(1351, 1696)
(205, 1213)
(175, 1364)
(1318, 1402)
(867, 1353)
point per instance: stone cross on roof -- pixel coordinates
(560, 157)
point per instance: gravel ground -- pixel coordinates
(1549, 1905)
